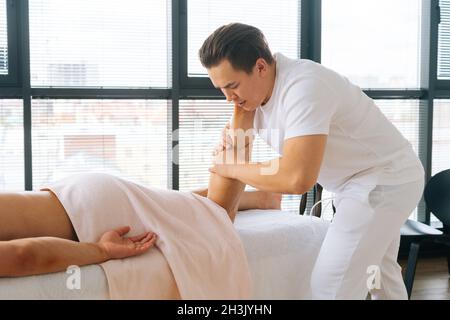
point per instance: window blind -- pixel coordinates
(128, 138)
(200, 130)
(441, 136)
(407, 116)
(444, 41)
(201, 123)
(11, 145)
(441, 142)
(278, 20)
(100, 43)
(375, 43)
(3, 39)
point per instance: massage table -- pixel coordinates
(281, 249)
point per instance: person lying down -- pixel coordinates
(37, 236)
(84, 219)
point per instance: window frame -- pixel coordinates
(198, 84)
(17, 83)
(11, 79)
(441, 85)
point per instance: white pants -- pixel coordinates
(364, 237)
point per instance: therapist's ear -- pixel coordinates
(261, 67)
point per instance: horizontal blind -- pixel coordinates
(444, 41)
(278, 20)
(3, 39)
(11, 145)
(100, 43)
(201, 123)
(127, 138)
(441, 143)
(375, 43)
(405, 115)
(441, 136)
(408, 117)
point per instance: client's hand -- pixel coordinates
(116, 246)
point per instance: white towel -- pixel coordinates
(198, 254)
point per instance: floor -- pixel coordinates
(432, 280)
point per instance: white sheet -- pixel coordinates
(198, 253)
(281, 248)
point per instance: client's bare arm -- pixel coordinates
(224, 191)
(31, 256)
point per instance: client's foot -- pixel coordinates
(270, 200)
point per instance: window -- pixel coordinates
(278, 20)
(100, 43)
(11, 145)
(128, 44)
(128, 138)
(3, 39)
(441, 136)
(441, 143)
(201, 122)
(375, 43)
(406, 115)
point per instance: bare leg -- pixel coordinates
(33, 214)
(253, 199)
(224, 191)
(260, 200)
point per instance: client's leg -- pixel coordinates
(260, 200)
(33, 214)
(224, 191)
(253, 199)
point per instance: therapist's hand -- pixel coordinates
(224, 170)
(226, 162)
(226, 140)
(245, 122)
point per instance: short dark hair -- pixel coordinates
(239, 43)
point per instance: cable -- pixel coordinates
(318, 202)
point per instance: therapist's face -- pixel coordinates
(247, 91)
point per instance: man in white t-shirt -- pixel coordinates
(327, 131)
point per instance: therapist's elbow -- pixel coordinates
(301, 185)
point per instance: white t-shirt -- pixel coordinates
(362, 145)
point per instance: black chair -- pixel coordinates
(437, 200)
(317, 193)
